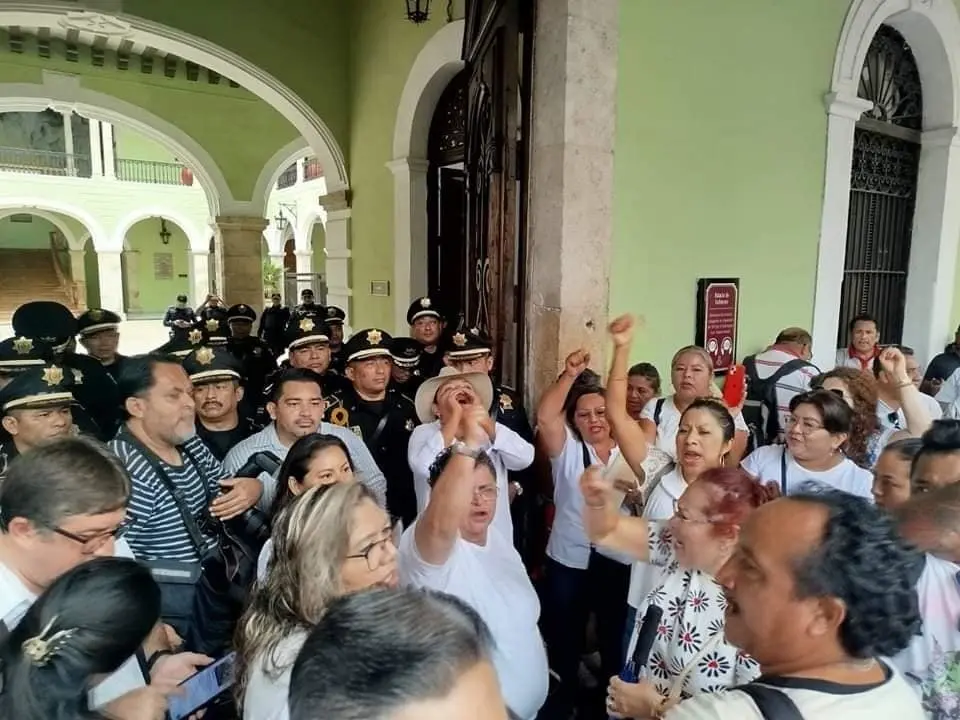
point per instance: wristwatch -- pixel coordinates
(461, 448)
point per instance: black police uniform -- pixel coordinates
(273, 322)
(175, 314)
(182, 343)
(212, 312)
(405, 353)
(207, 365)
(384, 425)
(98, 320)
(430, 363)
(215, 330)
(335, 317)
(93, 387)
(21, 353)
(257, 361)
(307, 308)
(312, 330)
(35, 388)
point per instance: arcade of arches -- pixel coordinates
(653, 145)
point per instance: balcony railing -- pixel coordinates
(154, 172)
(44, 162)
(288, 178)
(312, 169)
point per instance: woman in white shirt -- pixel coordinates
(817, 432)
(333, 539)
(691, 374)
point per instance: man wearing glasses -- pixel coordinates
(63, 503)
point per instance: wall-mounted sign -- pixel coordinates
(163, 266)
(717, 316)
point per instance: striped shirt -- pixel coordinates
(365, 467)
(158, 532)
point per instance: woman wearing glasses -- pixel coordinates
(331, 540)
(817, 432)
(690, 654)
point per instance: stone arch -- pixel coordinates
(145, 292)
(73, 241)
(199, 241)
(436, 65)
(42, 207)
(281, 160)
(932, 29)
(166, 39)
(304, 232)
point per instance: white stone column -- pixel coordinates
(68, 143)
(927, 321)
(304, 272)
(96, 156)
(571, 188)
(131, 263)
(109, 161)
(337, 253)
(199, 276)
(300, 171)
(111, 286)
(843, 114)
(410, 240)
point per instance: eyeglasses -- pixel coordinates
(804, 427)
(90, 544)
(487, 492)
(376, 552)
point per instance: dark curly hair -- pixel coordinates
(862, 561)
(941, 438)
(863, 389)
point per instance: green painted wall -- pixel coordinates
(91, 269)
(34, 235)
(720, 151)
(318, 241)
(383, 50)
(146, 295)
(130, 145)
(239, 131)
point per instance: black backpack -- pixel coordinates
(760, 408)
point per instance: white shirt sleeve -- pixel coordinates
(649, 410)
(416, 571)
(516, 453)
(426, 442)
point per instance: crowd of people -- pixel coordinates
(367, 527)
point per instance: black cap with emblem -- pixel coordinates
(206, 364)
(45, 320)
(43, 386)
(422, 307)
(97, 320)
(306, 330)
(21, 353)
(468, 345)
(405, 352)
(183, 342)
(215, 329)
(334, 315)
(368, 343)
(241, 313)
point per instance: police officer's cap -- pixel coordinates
(215, 329)
(241, 313)
(43, 386)
(468, 345)
(368, 343)
(307, 330)
(97, 320)
(181, 298)
(183, 342)
(334, 315)
(207, 364)
(422, 307)
(405, 352)
(21, 353)
(45, 320)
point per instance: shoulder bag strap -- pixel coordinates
(381, 426)
(783, 470)
(773, 704)
(658, 410)
(189, 521)
(189, 457)
(586, 455)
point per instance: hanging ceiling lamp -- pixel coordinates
(418, 11)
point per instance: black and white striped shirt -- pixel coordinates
(158, 532)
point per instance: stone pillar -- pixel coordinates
(78, 276)
(68, 143)
(238, 246)
(571, 189)
(109, 161)
(111, 286)
(131, 265)
(337, 253)
(410, 239)
(305, 273)
(199, 276)
(300, 172)
(96, 158)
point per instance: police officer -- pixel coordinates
(34, 408)
(426, 327)
(212, 308)
(21, 353)
(307, 305)
(184, 341)
(99, 334)
(273, 322)
(308, 347)
(383, 417)
(470, 350)
(335, 317)
(256, 358)
(405, 373)
(92, 386)
(215, 329)
(179, 316)
(217, 393)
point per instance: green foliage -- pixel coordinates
(272, 277)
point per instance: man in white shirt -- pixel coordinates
(454, 546)
(864, 344)
(64, 503)
(507, 450)
(791, 348)
(802, 600)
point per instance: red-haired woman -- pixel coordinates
(690, 654)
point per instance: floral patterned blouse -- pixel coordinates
(693, 618)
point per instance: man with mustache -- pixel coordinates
(217, 393)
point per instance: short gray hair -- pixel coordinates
(375, 652)
(64, 477)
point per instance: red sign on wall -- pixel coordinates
(717, 315)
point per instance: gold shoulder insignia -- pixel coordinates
(204, 356)
(22, 345)
(506, 402)
(340, 417)
(52, 375)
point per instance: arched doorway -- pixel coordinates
(883, 188)
(446, 200)
(156, 266)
